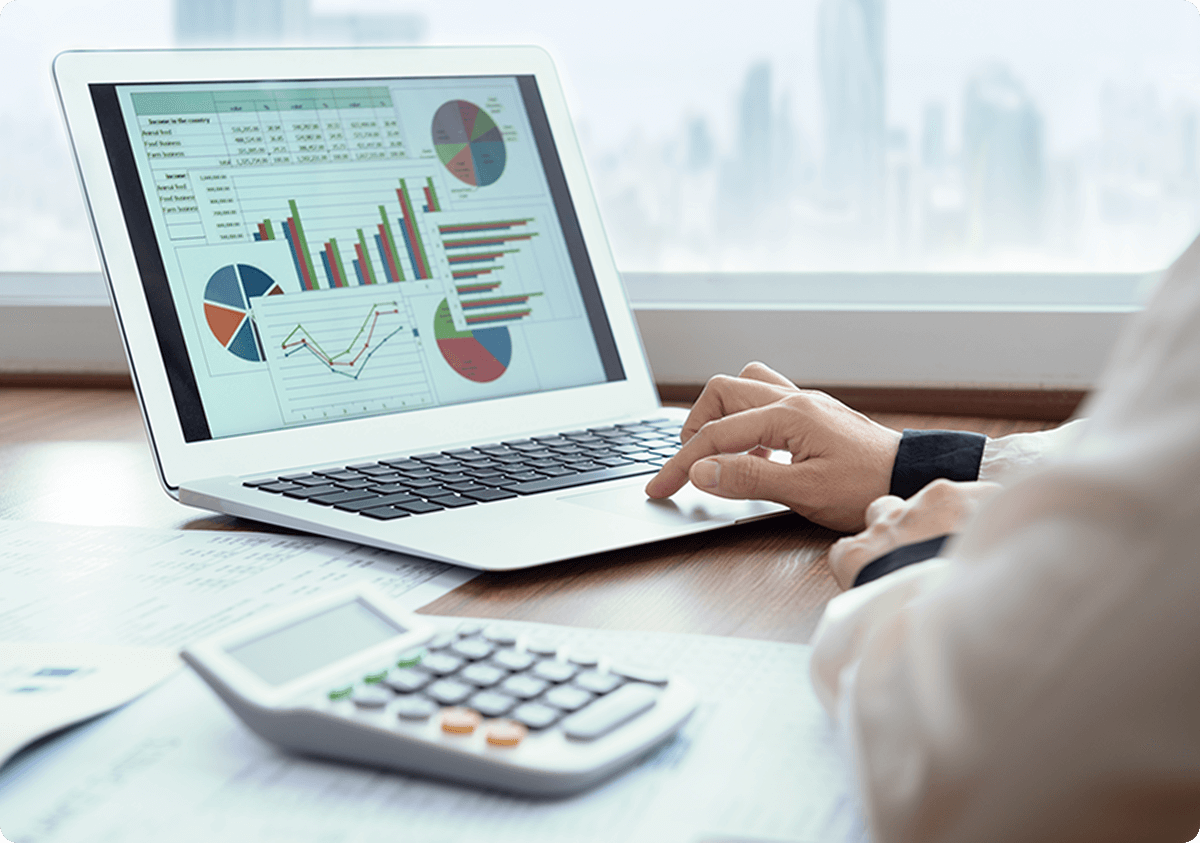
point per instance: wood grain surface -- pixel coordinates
(80, 456)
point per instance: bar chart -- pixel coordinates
(344, 231)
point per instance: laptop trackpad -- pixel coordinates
(688, 506)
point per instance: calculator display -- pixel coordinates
(314, 642)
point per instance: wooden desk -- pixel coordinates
(80, 456)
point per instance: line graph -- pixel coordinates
(339, 353)
(351, 362)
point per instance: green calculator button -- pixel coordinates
(410, 658)
(341, 693)
(374, 678)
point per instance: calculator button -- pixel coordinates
(500, 635)
(375, 678)
(543, 647)
(482, 675)
(491, 703)
(460, 721)
(341, 693)
(597, 682)
(441, 641)
(523, 687)
(468, 628)
(584, 659)
(415, 707)
(512, 660)
(641, 674)
(568, 697)
(506, 732)
(536, 715)
(371, 696)
(606, 714)
(472, 648)
(449, 691)
(553, 671)
(410, 658)
(405, 680)
(441, 664)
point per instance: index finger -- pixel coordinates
(733, 434)
(726, 396)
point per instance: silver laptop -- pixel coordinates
(366, 293)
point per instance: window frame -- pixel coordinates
(821, 329)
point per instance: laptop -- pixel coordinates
(366, 293)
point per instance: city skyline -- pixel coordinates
(727, 164)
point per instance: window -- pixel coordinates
(945, 140)
(1048, 135)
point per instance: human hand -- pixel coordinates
(841, 460)
(940, 508)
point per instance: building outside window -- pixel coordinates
(798, 136)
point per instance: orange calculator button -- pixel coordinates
(505, 732)
(460, 721)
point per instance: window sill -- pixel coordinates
(1026, 332)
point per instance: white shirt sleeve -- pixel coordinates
(1042, 682)
(1009, 456)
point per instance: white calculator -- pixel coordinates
(350, 676)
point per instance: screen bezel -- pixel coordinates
(180, 460)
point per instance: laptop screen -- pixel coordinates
(320, 250)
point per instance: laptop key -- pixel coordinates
(550, 484)
(486, 495)
(420, 507)
(385, 513)
(370, 503)
(276, 487)
(452, 501)
(305, 492)
(344, 497)
(557, 471)
(430, 491)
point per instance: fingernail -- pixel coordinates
(706, 474)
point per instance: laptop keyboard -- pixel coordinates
(396, 488)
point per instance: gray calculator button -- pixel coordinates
(536, 715)
(500, 634)
(553, 671)
(472, 648)
(523, 687)
(449, 691)
(597, 682)
(641, 674)
(606, 714)
(543, 646)
(568, 697)
(584, 659)
(440, 664)
(491, 703)
(415, 707)
(441, 641)
(405, 680)
(468, 628)
(482, 675)
(371, 696)
(512, 660)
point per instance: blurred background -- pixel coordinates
(798, 136)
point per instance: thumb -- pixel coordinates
(744, 476)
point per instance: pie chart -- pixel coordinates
(468, 142)
(481, 355)
(227, 307)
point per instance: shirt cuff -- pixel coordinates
(926, 455)
(900, 557)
